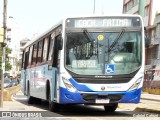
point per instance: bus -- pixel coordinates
(90, 60)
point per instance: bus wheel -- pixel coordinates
(54, 107)
(30, 99)
(111, 107)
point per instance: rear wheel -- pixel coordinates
(111, 107)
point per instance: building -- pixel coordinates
(150, 12)
(14, 35)
(146, 8)
(22, 44)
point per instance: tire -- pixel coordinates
(53, 107)
(111, 107)
(30, 99)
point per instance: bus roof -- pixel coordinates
(43, 34)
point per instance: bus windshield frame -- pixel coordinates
(103, 41)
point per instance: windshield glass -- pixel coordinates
(97, 53)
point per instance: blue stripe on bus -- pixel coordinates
(78, 86)
(75, 97)
(70, 97)
(132, 96)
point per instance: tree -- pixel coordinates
(7, 64)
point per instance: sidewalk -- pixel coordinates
(148, 103)
(18, 103)
(152, 97)
(152, 104)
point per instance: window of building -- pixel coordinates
(125, 8)
(135, 2)
(158, 30)
(146, 11)
(130, 5)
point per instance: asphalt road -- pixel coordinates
(78, 111)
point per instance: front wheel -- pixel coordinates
(111, 107)
(30, 99)
(54, 107)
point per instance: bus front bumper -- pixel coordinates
(81, 97)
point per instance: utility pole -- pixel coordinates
(3, 44)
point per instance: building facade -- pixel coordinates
(22, 44)
(14, 35)
(150, 12)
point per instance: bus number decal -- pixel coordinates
(84, 64)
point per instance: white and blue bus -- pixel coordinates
(96, 60)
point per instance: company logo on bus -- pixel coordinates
(103, 88)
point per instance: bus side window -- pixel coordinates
(45, 49)
(23, 60)
(30, 54)
(26, 58)
(51, 45)
(34, 55)
(55, 51)
(39, 54)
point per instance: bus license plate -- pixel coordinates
(102, 100)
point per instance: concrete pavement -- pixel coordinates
(152, 97)
(151, 107)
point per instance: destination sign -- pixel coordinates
(102, 22)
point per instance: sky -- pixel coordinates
(36, 16)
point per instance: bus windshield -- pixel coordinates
(99, 53)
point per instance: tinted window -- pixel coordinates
(34, 54)
(40, 47)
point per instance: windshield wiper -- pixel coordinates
(87, 35)
(91, 39)
(116, 40)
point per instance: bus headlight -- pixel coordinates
(68, 85)
(136, 84)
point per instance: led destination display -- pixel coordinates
(102, 22)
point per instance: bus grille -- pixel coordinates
(92, 97)
(102, 80)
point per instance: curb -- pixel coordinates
(8, 92)
(140, 109)
(6, 95)
(154, 91)
(150, 99)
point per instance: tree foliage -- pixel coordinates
(7, 64)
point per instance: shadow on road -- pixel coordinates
(72, 110)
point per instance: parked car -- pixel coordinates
(14, 82)
(7, 83)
